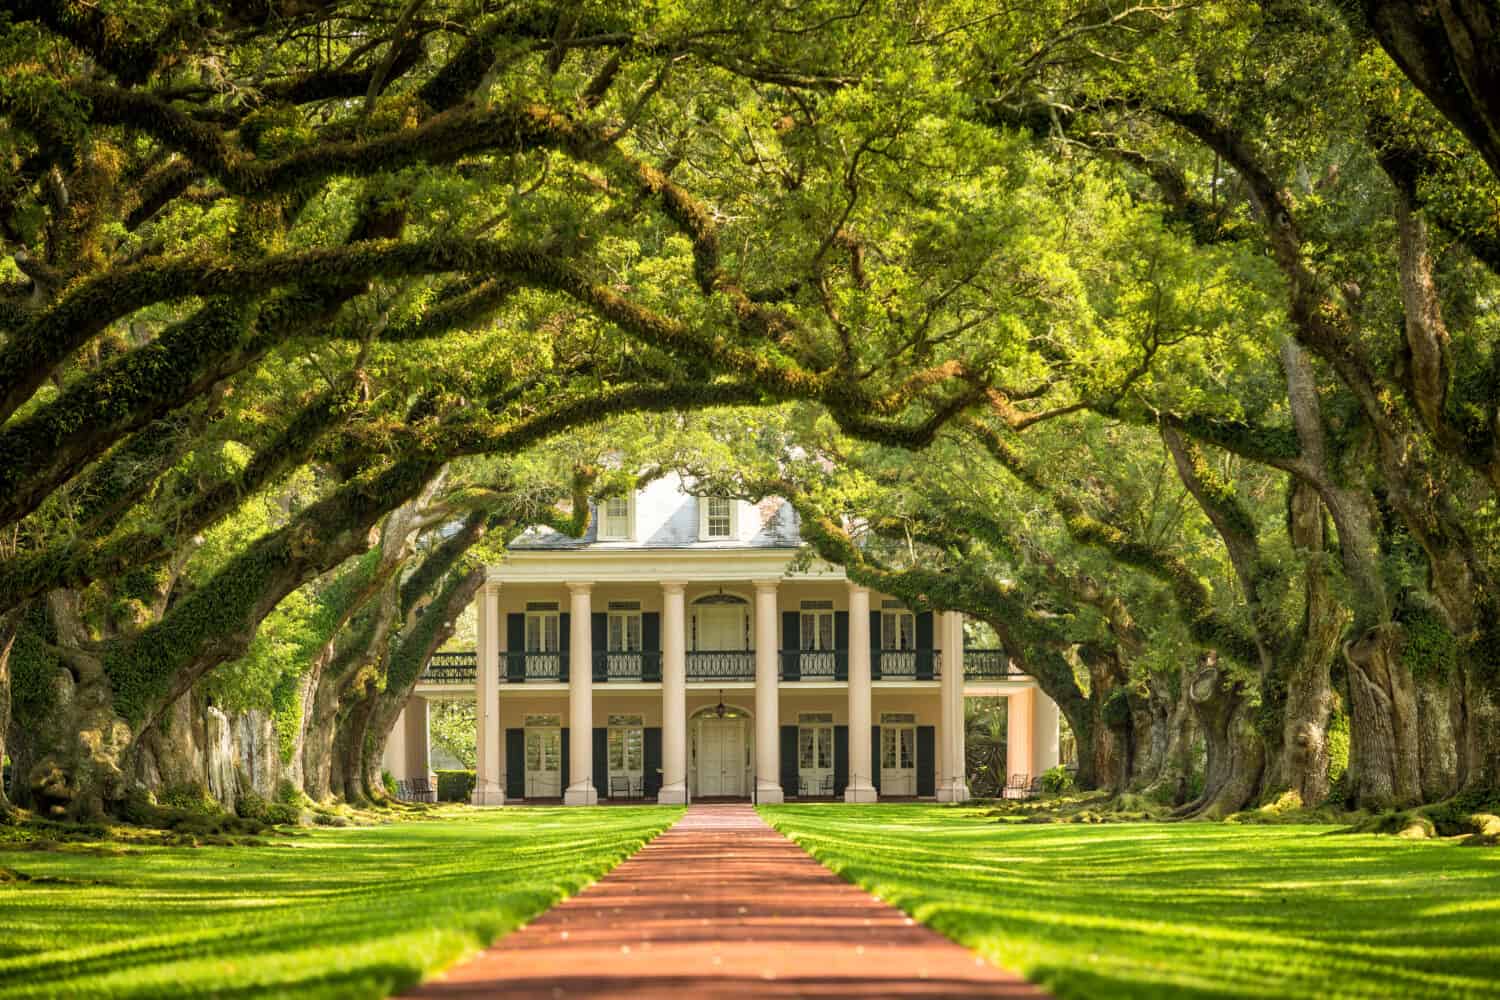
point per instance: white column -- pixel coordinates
(418, 738)
(581, 790)
(673, 695)
(1019, 715)
(952, 784)
(394, 758)
(488, 789)
(767, 696)
(1046, 740)
(861, 787)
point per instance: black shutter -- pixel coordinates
(651, 645)
(601, 761)
(566, 778)
(515, 762)
(926, 760)
(599, 624)
(790, 769)
(841, 645)
(515, 642)
(651, 762)
(565, 642)
(875, 757)
(925, 656)
(876, 638)
(840, 760)
(791, 642)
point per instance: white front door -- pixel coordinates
(721, 757)
(721, 628)
(543, 763)
(898, 760)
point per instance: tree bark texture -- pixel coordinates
(1384, 750)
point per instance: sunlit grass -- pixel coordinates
(358, 911)
(1178, 910)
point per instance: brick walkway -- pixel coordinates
(721, 905)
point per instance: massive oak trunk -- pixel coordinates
(7, 642)
(1384, 754)
(1236, 752)
(1179, 732)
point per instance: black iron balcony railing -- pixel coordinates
(814, 664)
(904, 664)
(639, 665)
(988, 665)
(450, 668)
(796, 664)
(532, 666)
(721, 665)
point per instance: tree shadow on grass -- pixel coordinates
(1182, 910)
(348, 913)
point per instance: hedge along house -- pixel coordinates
(685, 639)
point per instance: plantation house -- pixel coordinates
(700, 658)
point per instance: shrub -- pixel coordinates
(1057, 781)
(389, 782)
(455, 786)
(191, 797)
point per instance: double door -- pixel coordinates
(898, 760)
(815, 759)
(721, 757)
(543, 762)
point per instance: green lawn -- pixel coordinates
(357, 911)
(1178, 910)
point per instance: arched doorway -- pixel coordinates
(720, 751)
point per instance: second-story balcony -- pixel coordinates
(450, 668)
(636, 665)
(534, 666)
(901, 664)
(721, 665)
(989, 665)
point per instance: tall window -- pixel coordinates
(543, 634)
(616, 523)
(625, 744)
(719, 521)
(624, 627)
(898, 630)
(817, 625)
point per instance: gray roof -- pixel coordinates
(666, 517)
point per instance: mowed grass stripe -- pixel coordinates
(357, 911)
(1177, 910)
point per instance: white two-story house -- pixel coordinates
(679, 651)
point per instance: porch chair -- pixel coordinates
(619, 787)
(1016, 787)
(826, 788)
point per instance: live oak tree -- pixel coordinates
(299, 299)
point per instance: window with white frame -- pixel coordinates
(543, 627)
(718, 518)
(624, 626)
(898, 630)
(817, 626)
(615, 518)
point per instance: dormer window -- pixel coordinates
(614, 522)
(718, 518)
